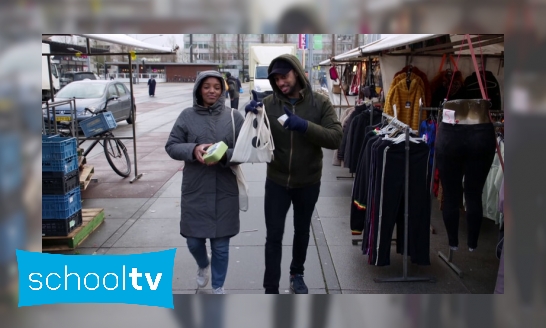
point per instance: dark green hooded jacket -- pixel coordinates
(298, 156)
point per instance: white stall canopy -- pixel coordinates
(126, 40)
(394, 53)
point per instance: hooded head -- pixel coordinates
(198, 90)
(282, 65)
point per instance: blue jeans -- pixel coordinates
(220, 257)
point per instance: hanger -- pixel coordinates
(402, 138)
(408, 75)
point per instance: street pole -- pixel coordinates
(310, 60)
(303, 57)
(88, 60)
(191, 46)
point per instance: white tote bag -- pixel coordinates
(255, 143)
(241, 182)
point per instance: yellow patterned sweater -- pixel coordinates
(406, 100)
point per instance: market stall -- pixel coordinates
(419, 73)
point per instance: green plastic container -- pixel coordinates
(215, 152)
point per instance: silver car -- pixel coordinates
(93, 94)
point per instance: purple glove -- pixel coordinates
(294, 122)
(253, 107)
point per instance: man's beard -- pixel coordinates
(291, 90)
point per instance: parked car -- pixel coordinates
(69, 77)
(93, 94)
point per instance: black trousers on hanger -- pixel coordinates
(464, 151)
(390, 200)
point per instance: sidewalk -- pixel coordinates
(144, 217)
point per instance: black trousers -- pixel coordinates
(464, 151)
(277, 202)
(234, 102)
(389, 201)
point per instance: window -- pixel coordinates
(83, 76)
(261, 72)
(112, 91)
(121, 90)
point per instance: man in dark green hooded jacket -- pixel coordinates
(293, 176)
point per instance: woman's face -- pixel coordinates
(211, 90)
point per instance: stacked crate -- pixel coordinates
(61, 197)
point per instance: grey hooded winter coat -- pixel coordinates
(210, 197)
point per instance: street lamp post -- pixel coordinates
(191, 51)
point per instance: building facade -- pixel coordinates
(230, 51)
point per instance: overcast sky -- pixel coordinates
(160, 39)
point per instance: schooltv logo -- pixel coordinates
(143, 279)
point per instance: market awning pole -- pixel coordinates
(133, 111)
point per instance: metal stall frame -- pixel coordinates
(129, 54)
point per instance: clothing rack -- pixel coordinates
(404, 277)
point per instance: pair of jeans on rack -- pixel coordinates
(464, 151)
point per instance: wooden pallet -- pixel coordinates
(92, 219)
(85, 176)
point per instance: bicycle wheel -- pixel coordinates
(117, 157)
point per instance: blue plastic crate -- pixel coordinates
(59, 183)
(61, 206)
(58, 148)
(64, 165)
(61, 227)
(98, 124)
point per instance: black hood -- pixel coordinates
(302, 78)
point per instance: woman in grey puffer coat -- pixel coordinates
(210, 196)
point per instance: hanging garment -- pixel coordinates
(385, 201)
(359, 125)
(341, 151)
(336, 161)
(406, 101)
(360, 185)
(333, 73)
(492, 85)
(440, 85)
(490, 196)
(427, 130)
(424, 78)
(464, 150)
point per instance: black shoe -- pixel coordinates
(271, 290)
(298, 285)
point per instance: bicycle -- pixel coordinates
(114, 149)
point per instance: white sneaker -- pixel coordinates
(219, 290)
(203, 275)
